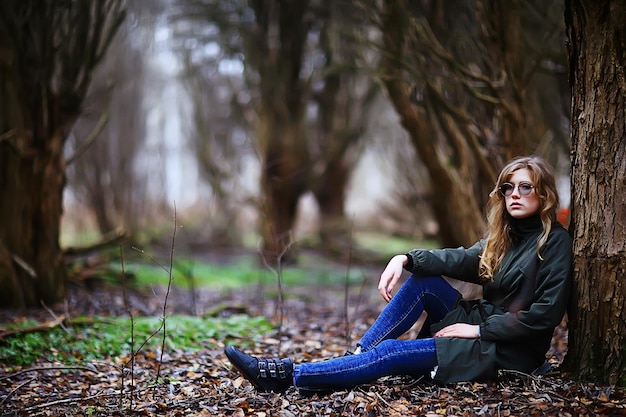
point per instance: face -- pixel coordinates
(520, 206)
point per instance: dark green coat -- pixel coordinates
(520, 308)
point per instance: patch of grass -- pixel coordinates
(233, 276)
(388, 245)
(244, 270)
(109, 338)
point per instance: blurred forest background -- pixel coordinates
(265, 123)
(266, 126)
(275, 128)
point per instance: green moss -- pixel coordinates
(105, 338)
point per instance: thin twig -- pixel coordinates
(58, 319)
(380, 398)
(521, 374)
(25, 266)
(346, 303)
(104, 117)
(7, 135)
(67, 400)
(169, 287)
(109, 240)
(48, 368)
(14, 390)
(279, 276)
(151, 258)
(132, 338)
(40, 327)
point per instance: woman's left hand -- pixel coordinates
(461, 330)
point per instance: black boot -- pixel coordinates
(265, 374)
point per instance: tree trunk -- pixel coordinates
(453, 200)
(283, 181)
(460, 84)
(343, 107)
(97, 199)
(32, 269)
(597, 317)
(331, 195)
(279, 41)
(47, 53)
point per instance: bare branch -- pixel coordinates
(24, 265)
(104, 118)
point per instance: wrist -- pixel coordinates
(407, 262)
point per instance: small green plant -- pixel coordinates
(109, 338)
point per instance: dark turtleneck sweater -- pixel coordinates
(521, 229)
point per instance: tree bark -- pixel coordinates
(34, 269)
(278, 50)
(283, 181)
(343, 108)
(47, 53)
(331, 196)
(597, 316)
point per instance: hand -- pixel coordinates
(390, 276)
(460, 330)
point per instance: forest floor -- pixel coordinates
(317, 323)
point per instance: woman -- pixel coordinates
(524, 266)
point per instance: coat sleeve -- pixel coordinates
(550, 298)
(459, 263)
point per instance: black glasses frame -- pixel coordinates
(508, 188)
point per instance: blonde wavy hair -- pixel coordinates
(498, 239)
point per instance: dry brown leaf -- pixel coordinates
(205, 384)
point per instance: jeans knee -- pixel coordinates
(409, 357)
(387, 348)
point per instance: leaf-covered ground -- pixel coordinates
(315, 324)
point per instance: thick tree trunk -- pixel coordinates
(98, 202)
(48, 51)
(279, 43)
(597, 48)
(454, 201)
(331, 195)
(32, 269)
(283, 181)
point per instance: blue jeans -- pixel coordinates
(382, 354)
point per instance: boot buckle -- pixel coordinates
(263, 369)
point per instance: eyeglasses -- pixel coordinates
(524, 188)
